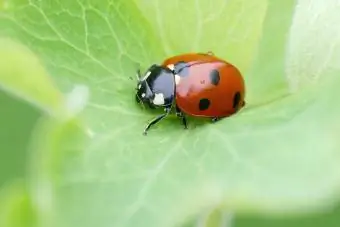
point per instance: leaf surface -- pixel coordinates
(279, 154)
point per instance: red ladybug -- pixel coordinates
(196, 84)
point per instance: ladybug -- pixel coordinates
(196, 84)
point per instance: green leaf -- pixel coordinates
(16, 209)
(280, 154)
(22, 74)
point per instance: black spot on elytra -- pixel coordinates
(214, 77)
(182, 69)
(237, 98)
(204, 104)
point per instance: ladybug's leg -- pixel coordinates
(138, 75)
(156, 120)
(210, 52)
(215, 119)
(180, 114)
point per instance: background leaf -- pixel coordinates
(278, 155)
(16, 209)
(21, 74)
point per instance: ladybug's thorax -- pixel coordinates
(157, 87)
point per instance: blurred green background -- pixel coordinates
(17, 121)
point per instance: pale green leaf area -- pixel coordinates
(279, 155)
(15, 206)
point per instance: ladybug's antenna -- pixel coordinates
(138, 75)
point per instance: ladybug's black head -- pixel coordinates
(144, 93)
(157, 87)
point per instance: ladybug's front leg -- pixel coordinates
(180, 114)
(156, 120)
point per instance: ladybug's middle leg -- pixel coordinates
(180, 114)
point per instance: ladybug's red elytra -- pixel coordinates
(195, 84)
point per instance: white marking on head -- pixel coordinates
(146, 75)
(159, 99)
(171, 67)
(143, 95)
(139, 86)
(177, 79)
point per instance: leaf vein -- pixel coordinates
(86, 35)
(114, 109)
(198, 26)
(63, 39)
(133, 209)
(160, 26)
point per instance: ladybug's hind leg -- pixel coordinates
(210, 53)
(214, 119)
(180, 114)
